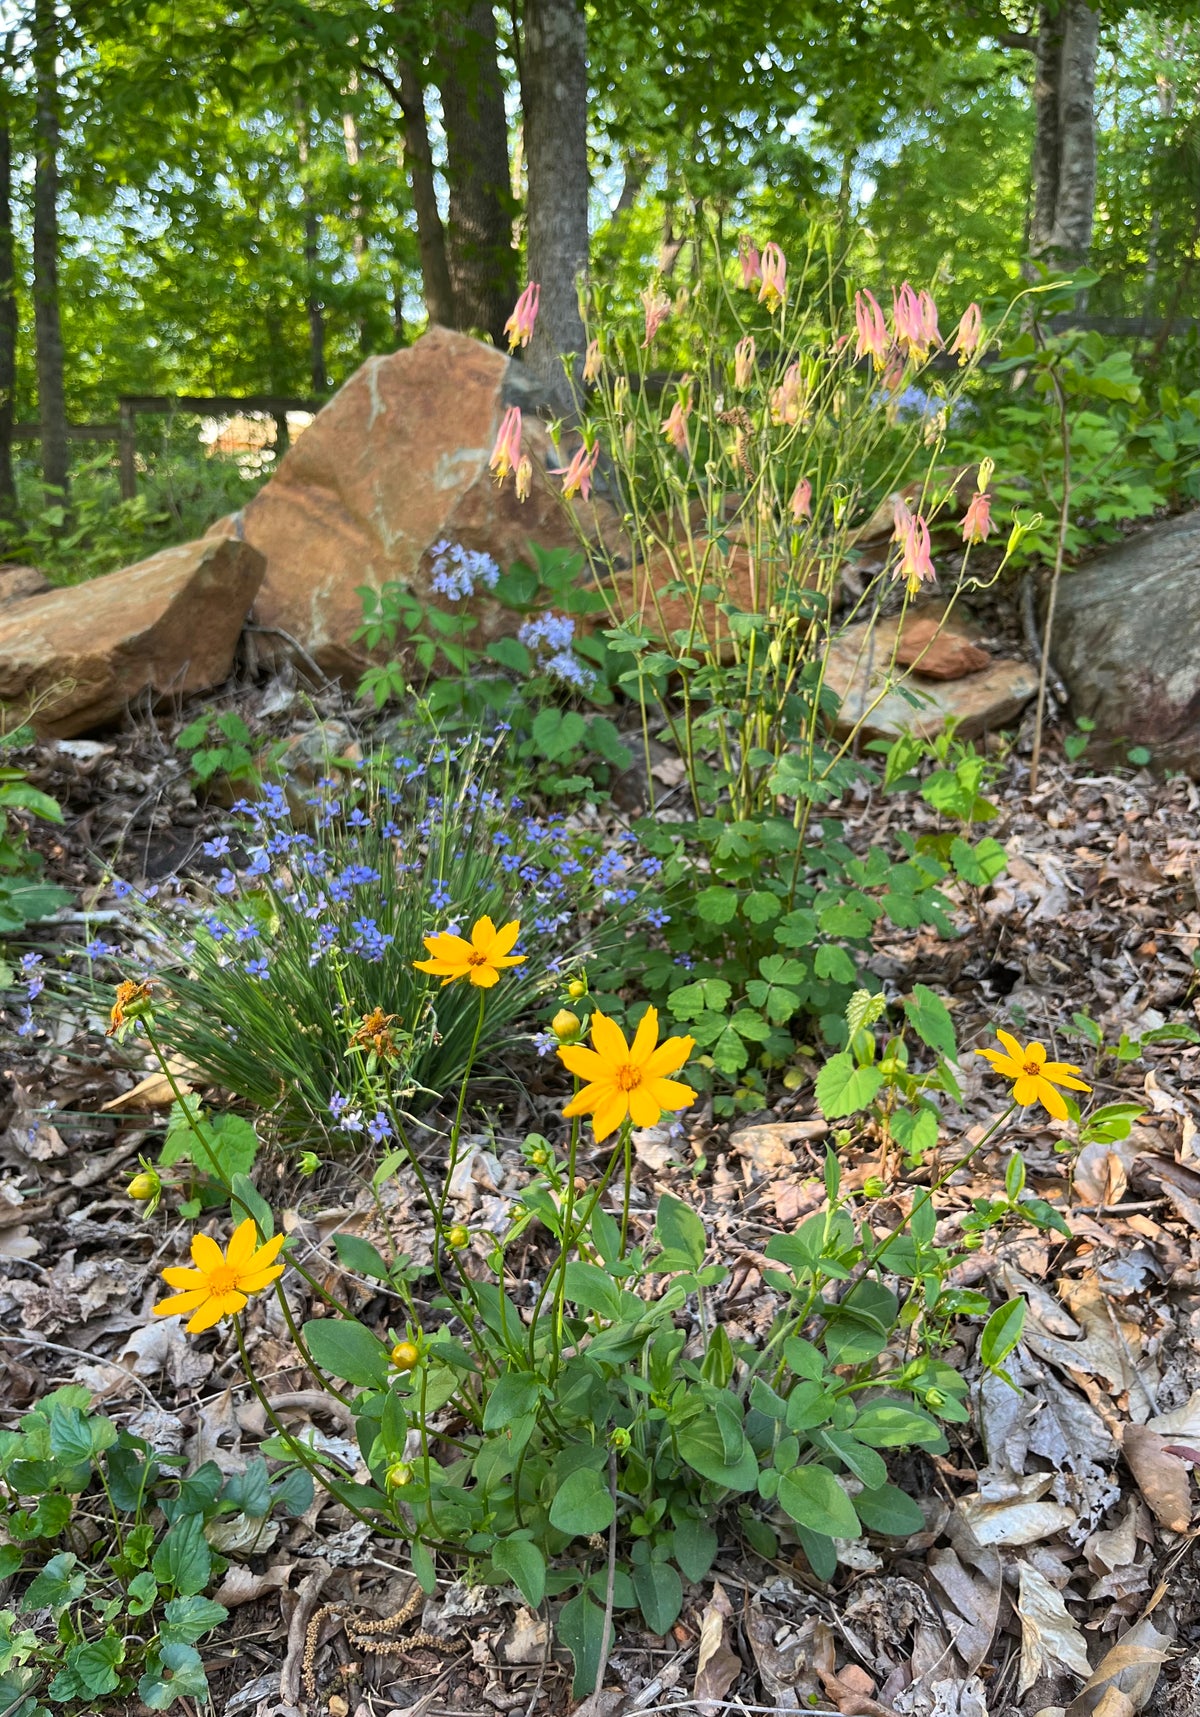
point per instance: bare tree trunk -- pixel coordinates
(1064, 151)
(555, 97)
(8, 303)
(358, 243)
(431, 235)
(52, 407)
(483, 265)
(318, 376)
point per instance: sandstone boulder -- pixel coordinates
(1127, 642)
(20, 581)
(73, 658)
(396, 463)
(981, 700)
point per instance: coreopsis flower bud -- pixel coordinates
(133, 1002)
(144, 1185)
(577, 989)
(405, 1355)
(566, 1026)
(458, 1237)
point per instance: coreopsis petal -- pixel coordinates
(180, 1303)
(669, 1057)
(610, 1113)
(643, 1110)
(255, 1280)
(1002, 1063)
(1034, 1052)
(180, 1276)
(483, 935)
(1052, 1100)
(1063, 1073)
(670, 1094)
(577, 1058)
(609, 1040)
(1011, 1046)
(505, 938)
(267, 1253)
(583, 1102)
(483, 977)
(1028, 1089)
(644, 1040)
(206, 1254)
(242, 1244)
(216, 1307)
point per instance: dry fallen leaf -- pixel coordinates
(1023, 1518)
(718, 1667)
(242, 1585)
(1126, 1673)
(1161, 1477)
(1050, 1638)
(152, 1092)
(972, 1600)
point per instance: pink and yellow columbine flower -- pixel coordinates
(524, 483)
(977, 524)
(592, 362)
(916, 563)
(744, 354)
(788, 401)
(773, 287)
(914, 322)
(969, 333)
(577, 476)
(506, 454)
(657, 307)
(626, 1079)
(749, 261)
(802, 500)
(1034, 1078)
(674, 425)
(873, 339)
(519, 326)
(481, 960)
(221, 1282)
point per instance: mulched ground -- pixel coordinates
(1049, 1529)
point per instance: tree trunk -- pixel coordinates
(431, 234)
(8, 307)
(52, 407)
(1064, 150)
(555, 97)
(318, 376)
(358, 243)
(483, 264)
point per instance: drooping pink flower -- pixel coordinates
(773, 287)
(929, 319)
(914, 322)
(901, 518)
(970, 331)
(872, 328)
(916, 564)
(674, 425)
(788, 400)
(749, 260)
(977, 524)
(577, 476)
(506, 454)
(657, 307)
(802, 500)
(592, 362)
(519, 326)
(744, 355)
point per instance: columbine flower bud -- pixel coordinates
(657, 306)
(519, 326)
(593, 362)
(405, 1355)
(524, 477)
(986, 466)
(749, 261)
(970, 330)
(144, 1185)
(566, 1026)
(802, 500)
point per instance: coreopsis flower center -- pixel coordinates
(628, 1077)
(223, 1280)
(475, 958)
(1033, 1068)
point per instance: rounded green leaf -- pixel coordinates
(347, 1349)
(522, 1563)
(815, 1499)
(582, 1504)
(660, 1594)
(888, 1509)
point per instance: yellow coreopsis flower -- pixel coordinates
(221, 1282)
(627, 1079)
(482, 959)
(1034, 1078)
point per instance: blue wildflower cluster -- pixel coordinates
(458, 571)
(550, 636)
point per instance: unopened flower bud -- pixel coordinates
(405, 1355)
(539, 1158)
(524, 477)
(873, 1187)
(576, 989)
(934, 1398)
(144, 1185)
(566, 1026)
(398, 1475)
(457, 1237)
(308, 1162)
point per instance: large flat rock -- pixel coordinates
(72, 659)
(396, 463)
(1127, 642)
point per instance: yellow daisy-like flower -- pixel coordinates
(1034, 1077)
(482, 959)
(627, 1079)
(222, 1281)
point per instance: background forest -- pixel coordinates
(250, 198)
